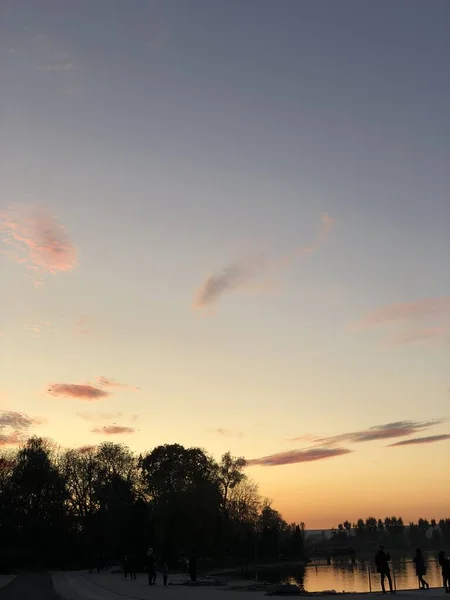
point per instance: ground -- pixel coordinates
(106, 586)
(28, 586)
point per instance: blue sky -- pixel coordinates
(174, 139)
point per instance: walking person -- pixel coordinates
(151, 566)
(126, 566)
(165, 573)
(132, 565)
(421, 569)
(193, 567)
(382, 559)
(445, 566)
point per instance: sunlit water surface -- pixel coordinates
(342, 576)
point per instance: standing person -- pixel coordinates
(193, 567)
(421, 569)
(126, 566)
(165, 572)
(445, 565)
(151, 567)
(382, 559)
(132, 566)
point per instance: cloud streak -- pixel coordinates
(102, 416)
(227, 433)
(404, 311)
(239, 273)
(113, 430)
(112, 383)
(297, 456)
(420, 335)
(58, 68)
(86, 392)
(377, 432)
(37, 240)
(423, 440)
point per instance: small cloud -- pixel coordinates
(38, 241)
(113, 430)
(81, 392)
(423, 440)
(84, 325)
(15, 427)
(11, 439)
(404, 311)
(38, 327)
(298, 456)
(108, 382)
(420, 335)
(240, 273)
(99, 417)
(17, 420)
(231, 277)
(56, 67)
(227, 433)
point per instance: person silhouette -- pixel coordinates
(445, 566)
(382, 559)
(151, 566)
(421, 569)
(193, 567)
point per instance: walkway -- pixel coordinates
(106, 586)
(29, 586)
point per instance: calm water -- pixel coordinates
(346, 577)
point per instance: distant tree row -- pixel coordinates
(66, 508)
(393, 531)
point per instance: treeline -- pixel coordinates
(66, 508)
(392, 532)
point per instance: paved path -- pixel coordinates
(30, 586)
(107, 586)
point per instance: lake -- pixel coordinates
(348, 577)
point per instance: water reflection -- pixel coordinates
(350, 577)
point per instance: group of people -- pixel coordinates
(152, 568)
(152, 564)
(382, 559)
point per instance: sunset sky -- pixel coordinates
(225, 223)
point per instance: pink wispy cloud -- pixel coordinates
(113, 430)
(227, 433)
(238, 274)
(84, 325)
(420, 335)
(112, 383)
(37, 240)
(86, 392)
(99, 416)
(15, 427)
(377, 432)
(422, 440)
(298, 456)
(405, 311)
(39, 327)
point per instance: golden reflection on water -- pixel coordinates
(355, 578)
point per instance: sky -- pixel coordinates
(225, 224)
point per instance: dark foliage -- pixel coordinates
(90, 506)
